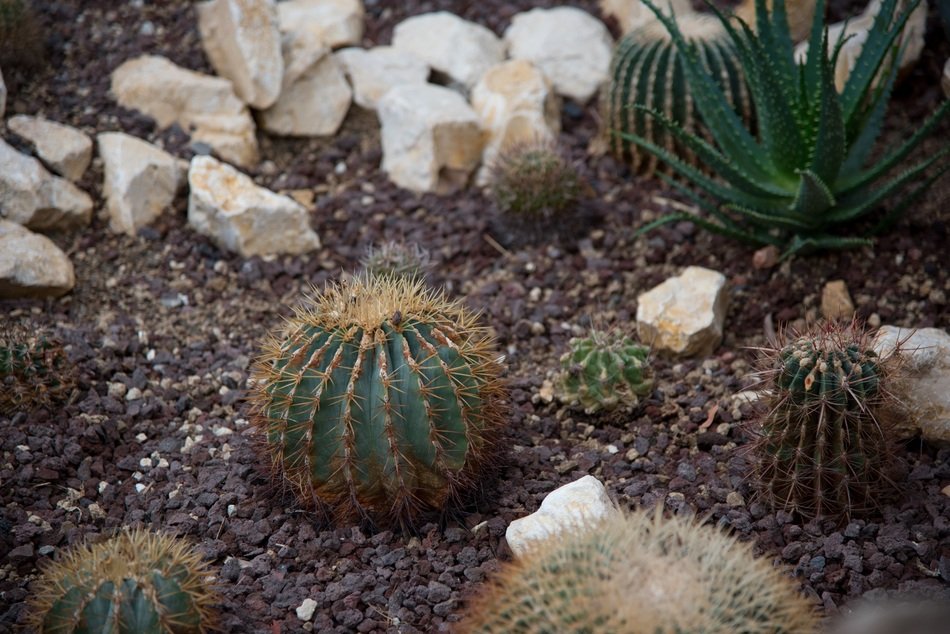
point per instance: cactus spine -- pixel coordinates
(605, 371)
(822, 450)
(33, 371)
(135, 583)
(640, 574)
(397, 258)
(380, 400)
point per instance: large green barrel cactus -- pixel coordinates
(34, 371)
(380, 400)
(640, 574)
(822, 450)
(605, 371)
(646, 71)
(135, 583)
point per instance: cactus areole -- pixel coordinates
(380, 400)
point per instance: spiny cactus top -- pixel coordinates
(640, 574)
(33, 371)
(605, 371)
(135, 583)
(380, 400)
(397, 258)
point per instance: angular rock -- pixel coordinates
(836, 301)
(922, 382)
(632, 14)
(570, 46)
(242, 41)
(239, 216)
(203, 105)
(36, 199)
(684, 315)
(31, 265)
(461, 49)
(3, 95)
(66, 150)
(334, 23)
(374, 71)
(141, 180)
(516, 104)
(566, 509)
(315, 96)
(430, 136)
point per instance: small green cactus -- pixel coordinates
(138, 582)
(21, 38)
(605, 371)
(380, 400)
(823, 451)
(640, 574)
(34, 371)
(397, 258)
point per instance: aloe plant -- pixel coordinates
(802, 182)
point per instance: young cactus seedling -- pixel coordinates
(34, 371)
(397, 258)
(605, 371)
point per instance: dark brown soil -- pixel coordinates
(161, 330)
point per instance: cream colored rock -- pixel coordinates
(430, 136)
(516, 104)
(570, 46)
(684, 315)
(141, 180)
(836, 301)
(334, 23)
(66, 150)
(922, 382)
(3, 95)
(242, 41)
(315, 97)
(569, 508)
(372, 72)
(31, 265)
(203, 105)
(34, 198)
(239, 216)
(461, 49)
(632, 14)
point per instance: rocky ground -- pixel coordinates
(162, 328)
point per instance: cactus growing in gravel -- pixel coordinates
(380, 400)
(397, 258)
(135, 583)
(21, 38)
(605, 371)
(33, 371)
(640, 574)
(822, 450)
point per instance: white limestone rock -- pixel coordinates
(64, 149)
(372, 72)
(517, 105)
(3, 95)
(461, 49)
(141, 180)
(32, 197)
(922, 383)
(242, 41)
(430, 136)
(836, 303)
(334, 23)
(315, 96)
(571, 47)
(239, 216)
(566, 509)
(684, 315)
(203, 105)
(31, 265)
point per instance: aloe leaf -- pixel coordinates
(828, 148)
(800, 244)
(813, 196)
(812, 67)
(704, 204)
(869, 126)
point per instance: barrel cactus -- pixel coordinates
(138, 582)
(640, 574)
(823, 451)
(605, 371)
(34, 371)
(380, 400)
(647, 71)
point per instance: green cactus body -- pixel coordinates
(33, 371)
(605, 372)
(135, 583)
(380, 400)
(823, 452)
(646, 71)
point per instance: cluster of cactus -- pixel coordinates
(34, 371)
(397, 259)
(640, 574)
(605, 371)
(21, 38)
(822, 450)
(647, 72)
(380, 400)
(138, 582)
